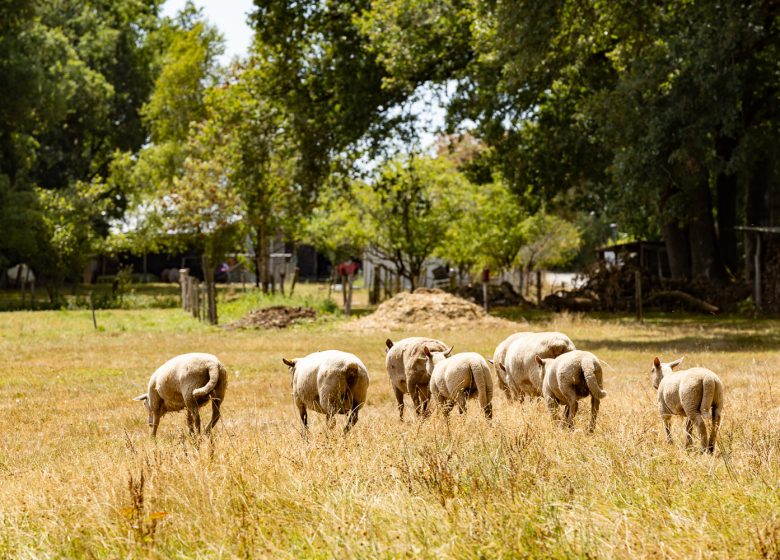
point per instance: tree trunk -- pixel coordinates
(705, 259)
(726, 191)
(678, 249)
(262, 254)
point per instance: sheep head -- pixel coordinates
(661, 369)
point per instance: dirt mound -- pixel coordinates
(277, 316)
(425, 307)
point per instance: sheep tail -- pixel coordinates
(708, 389)
(214, 372)
(592, 371)
(481, 378)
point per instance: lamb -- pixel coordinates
(458, 377)
(405, 362)
(330, 382)
(690, 393)
(569, 377)
(517, 367)
(186, 381)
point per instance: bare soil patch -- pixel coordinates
(277, 316)
(425, 307)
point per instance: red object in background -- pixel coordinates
(348, 268)
(486, 275)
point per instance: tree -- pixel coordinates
(408, 209)
(549, 241)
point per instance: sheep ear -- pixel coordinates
(448, 352)
(500, 366)
(676, 363)
(656, 362)
(539, 360)
(491, 362)
(289, 363)
(141, 397)
(426, 351)
(389, 343)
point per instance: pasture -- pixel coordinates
(80, 477)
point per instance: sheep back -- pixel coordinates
(183, 375)
(690, 391)
(330, 378)
(522, 373)
(577, 371)
(405, 361)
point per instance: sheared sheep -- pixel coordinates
(458, 377)
(405, 362)
(690, 393)
(186, 381)
(330, 382)
(520, 373)
(569, 377)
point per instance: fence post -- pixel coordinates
(538, 287)
(184, 274)
(638, 295)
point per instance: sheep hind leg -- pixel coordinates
(399, 397)
(667, 427)
(192, 409)
(714, 429)
(702, 427)
(571, 413)
(594, 412)
(688, 432)
(460, 399)
(352, 418)
(215, 414)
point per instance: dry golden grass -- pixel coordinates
(79, 476)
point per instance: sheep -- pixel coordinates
(569, 377)
(186, 381)
(455, 378)
(330, 382)
(521, 376)
(405, 362)
(690, 393)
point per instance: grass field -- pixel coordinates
(80, 477)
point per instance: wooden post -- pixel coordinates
(92, 307)
(282, 274)
(538, 287)
(344, 294)
(638, 295)
(294, 280)
(194, 297)
(757, 273)
(376, 291)
(184, 277)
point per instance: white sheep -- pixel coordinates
(458, 377)
(186, 381)
(569, 377)
(405, 362)
(521, 375)
(330, 382)
(690, 393)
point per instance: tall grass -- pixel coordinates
(79, 476)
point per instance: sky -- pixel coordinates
(229, 16)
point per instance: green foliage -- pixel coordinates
(550, 242)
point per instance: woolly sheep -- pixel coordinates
(186, 381)
(330, 382)
(458, 377)
(517, 367)
(405, 362)
(569, 377)
(690, 393)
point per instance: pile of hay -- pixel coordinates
(277, 316)
(427, 308)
